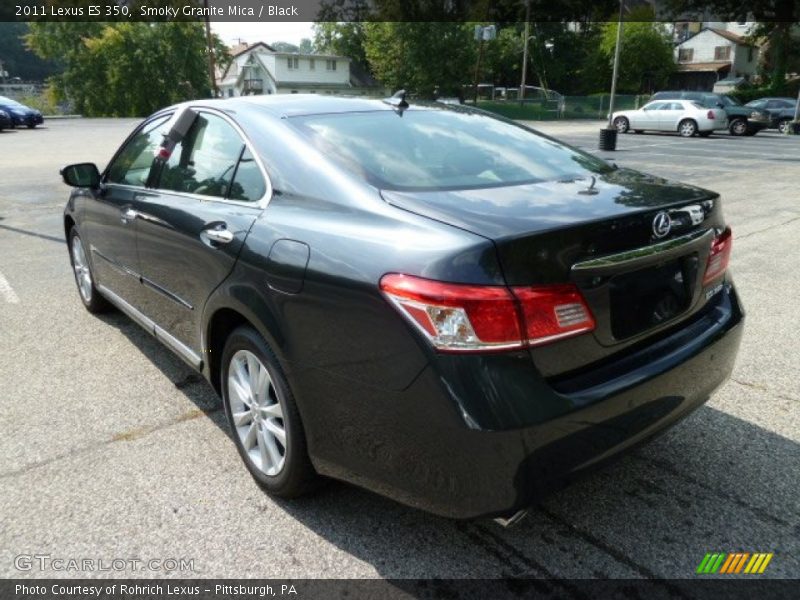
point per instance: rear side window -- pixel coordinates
(132, 165)
(437, 149)
(248, 183)
(205, 160)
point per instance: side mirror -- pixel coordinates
(81, 175)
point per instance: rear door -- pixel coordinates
(669, 115)
(192, 225)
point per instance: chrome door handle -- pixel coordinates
(221, 236)
(128, 215)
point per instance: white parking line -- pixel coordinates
(6, 291)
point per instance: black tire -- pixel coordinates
(31, 126)
(95, 302)
(687, 128)
(783, 125)
(705, 134)
(622, 125)
(738, 126)
(297, 475)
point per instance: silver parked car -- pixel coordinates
(685, 117)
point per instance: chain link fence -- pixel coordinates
(549, 106)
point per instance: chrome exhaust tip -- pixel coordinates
(505, 523)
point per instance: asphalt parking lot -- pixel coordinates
(112, 448)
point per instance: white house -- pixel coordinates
(260, 69)
(712, 54)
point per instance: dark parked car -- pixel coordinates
(439, 305)
(742, 120)
(5, 121)
(781, 111)
(21, 115)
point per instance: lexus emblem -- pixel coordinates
(661, 224)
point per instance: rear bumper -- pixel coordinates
(429, 446)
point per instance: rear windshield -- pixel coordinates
(437, 149)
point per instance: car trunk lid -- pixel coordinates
(635, 245)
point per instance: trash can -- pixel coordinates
(608, 139)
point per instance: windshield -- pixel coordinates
(439, 149)
(728, 101)
(9, 101)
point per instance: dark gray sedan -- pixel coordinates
(439, 305)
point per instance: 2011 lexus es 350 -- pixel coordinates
(433, 303)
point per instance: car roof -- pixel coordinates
(289, 105)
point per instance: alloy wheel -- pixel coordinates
(739, 127)
(257, 412)
(81, 267)
(687, 129)
(621, 124)
(783, 126)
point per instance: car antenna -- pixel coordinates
(398, 101)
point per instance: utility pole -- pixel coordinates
(482, 33)
(608, 135)
(616, 66)
(211, 70)
(525, 52)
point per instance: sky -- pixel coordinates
(262, 32)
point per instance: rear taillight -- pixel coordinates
(711, 115)
(553, 312)
(469, 318)
(719, 256)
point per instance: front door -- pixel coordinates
(109, 223)
(647, 117)
(192, 225)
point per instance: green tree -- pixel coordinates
(502, 59)
(341, 39)
(17, 59)
(421, 57)
(646, 57)
(125, 69)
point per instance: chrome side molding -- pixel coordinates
(182, 350)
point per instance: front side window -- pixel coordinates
(204, 161)
(437, 149)
(132, 165)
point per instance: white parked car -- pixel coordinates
(683, 116)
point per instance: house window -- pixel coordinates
(722, 53)
(230, 92)
(330, 65)
(685, 54)
(311, 64)
(294, 62)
